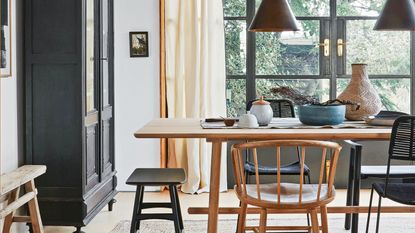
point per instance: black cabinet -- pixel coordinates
(69, 111)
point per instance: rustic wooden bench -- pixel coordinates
(10, 191)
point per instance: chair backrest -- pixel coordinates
(237, 153)
(402, 143)
(282, 108)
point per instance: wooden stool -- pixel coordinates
(171, 177)
(10, 188)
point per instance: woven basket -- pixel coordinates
(360, 90)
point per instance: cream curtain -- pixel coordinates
(195, 80)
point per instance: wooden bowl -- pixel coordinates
(229, 122)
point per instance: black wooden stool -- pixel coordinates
(157, 177)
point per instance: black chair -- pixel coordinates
(402, 148)
(282, 108)
(369, 171)
(171, 177)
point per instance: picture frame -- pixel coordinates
(5, 39)
(139, 44)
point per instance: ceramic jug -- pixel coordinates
(263, 111)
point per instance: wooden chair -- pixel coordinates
(10, 187)
(289, 197)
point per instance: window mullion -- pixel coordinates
(251, 50)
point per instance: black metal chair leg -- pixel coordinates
(308, 215)
(174, 210)
(378, 217)
(140, 206)
(349, 197)
(178, 208)
(134, 219)
(369, 211)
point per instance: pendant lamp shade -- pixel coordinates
(274, 16)
(397, 15)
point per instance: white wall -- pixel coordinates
(9, 116)
(136, 87)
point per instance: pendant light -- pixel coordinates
(397, 15)
(274, 16)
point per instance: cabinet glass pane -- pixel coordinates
(359, 7)
(235, 97)
(234, 8)
(395, 94)
(90, 61)
(318, 88)
(104, 49)
(385, 52)
(307, 7)
(289, 53)
(235, 46)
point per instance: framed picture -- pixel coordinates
(138, 44)
(5, 38)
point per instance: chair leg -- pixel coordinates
(263, 221)
(378, 217)
(314, 221)
(324, 221)
(369, 210)
(240, 227)
(140, 206)
(174, 210)
(179, 211)
(308, 215)
(134, 219)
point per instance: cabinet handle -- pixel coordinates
(104, 58)
(326, 47)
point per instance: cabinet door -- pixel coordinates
(92, 165)
(106, 79)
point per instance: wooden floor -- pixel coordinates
(105, 221)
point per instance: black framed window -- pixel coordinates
(256, 62)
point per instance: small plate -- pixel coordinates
(384, 118)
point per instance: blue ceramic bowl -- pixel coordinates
(321, 115)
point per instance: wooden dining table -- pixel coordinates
(191, 128)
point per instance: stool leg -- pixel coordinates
(34, 211)
(179, 211)
(134, 219)
(174, 209)
(140, 206)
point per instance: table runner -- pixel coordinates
(291, 123)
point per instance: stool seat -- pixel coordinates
(157, 176)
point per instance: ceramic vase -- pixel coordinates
(361, 91)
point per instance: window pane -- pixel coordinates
(384, 52)
(319, 88)
(307, 7)
(289, 53)
(394, 93)
(235, 46)
(234, 7)
(359, 7)
(235, 97)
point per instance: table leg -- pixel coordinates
(356, 187)
(350, 181)
(214, 186)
